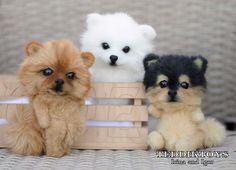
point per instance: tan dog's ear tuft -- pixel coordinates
(88, 59)
(33, 47)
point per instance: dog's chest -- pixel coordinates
(64, 110)
(176, 125)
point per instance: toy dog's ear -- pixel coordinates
(88, 59)
(150, 60)
(33, 47)
(93, 18)
(201, 63)
(148, 31)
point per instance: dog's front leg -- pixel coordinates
(74, 131)
(41, 112)
(54, 138)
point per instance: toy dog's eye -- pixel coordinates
(105, 45)
(70, 75)
(47, 72)
(184, 85)
(163, 84)
(126, 49)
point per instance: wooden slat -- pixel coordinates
(9, 111)
(9, 86)
(108, 145)
(138, 124)
(2, 144)
(113, 138)
(117, 113)
(8, 78)
(100, 112)
(117, 90)
(110, 138)
(137, 102)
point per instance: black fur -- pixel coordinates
(173, 66)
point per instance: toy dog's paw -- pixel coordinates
(155, 140)
(153, 111)
(57, 154)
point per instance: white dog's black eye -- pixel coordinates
(163, 84)
(184, 85)
(70, 75)
(126, 49)
(105, 45)
(47, 72)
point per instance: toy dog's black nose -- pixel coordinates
(172, 94)
(59, 84)
(113, 59)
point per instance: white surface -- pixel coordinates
(3, 121)
(25, 100)
(20, 100)
(93, 123)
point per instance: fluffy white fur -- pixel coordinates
(118, 30)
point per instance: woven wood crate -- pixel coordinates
(100, 137)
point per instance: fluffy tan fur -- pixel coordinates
(24, 136)
(56, 118)
(182, 125)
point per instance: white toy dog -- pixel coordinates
(119, 45)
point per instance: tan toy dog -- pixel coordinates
(56, 78)
(175, 86)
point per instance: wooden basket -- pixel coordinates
(96, 137)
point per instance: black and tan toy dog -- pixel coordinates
(174, 87)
